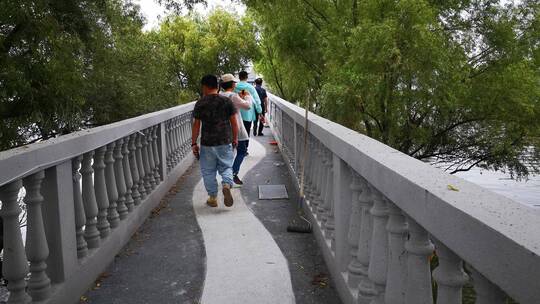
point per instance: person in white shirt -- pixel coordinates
(244, 101)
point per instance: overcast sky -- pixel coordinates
(154, 12)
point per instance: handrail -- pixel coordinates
(495, 235)
(86, 193)
(24, 160)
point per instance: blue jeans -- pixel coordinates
(241, 151)
(216, 159)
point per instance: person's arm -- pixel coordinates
(234, 127)
(256, 99)
(241, 103)
(194, 136)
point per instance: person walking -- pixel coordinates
(241, 101)
(219, 136)
(251, 115)
(264, 106)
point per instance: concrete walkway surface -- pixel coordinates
(188, 252)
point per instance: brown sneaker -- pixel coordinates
(212, 201)
(227, 196)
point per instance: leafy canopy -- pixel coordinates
(452, 82)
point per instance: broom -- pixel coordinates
(303, 226)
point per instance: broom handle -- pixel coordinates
(302, 173)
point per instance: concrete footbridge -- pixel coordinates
(117, 214)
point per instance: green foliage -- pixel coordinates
(221, 43)
(68, 65)
(454, 82)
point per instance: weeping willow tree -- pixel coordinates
(455, 82)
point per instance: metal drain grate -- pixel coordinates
(270, 192)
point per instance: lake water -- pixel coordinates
(526, 192)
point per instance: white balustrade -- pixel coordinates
(419, 250)
(151, 163)
(378, 259)
(121, 207)
(76, 187)
(37, 250)
(141, 165)
(15, 267)
(112, 190)
(354, 267)
(329, 225)
(91, 232)
(102, 198)
(397, 256)
(134, 168)
(80, 217)
(156, 152)
(126, 166)
(449, 275)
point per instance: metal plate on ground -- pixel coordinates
(271, 192)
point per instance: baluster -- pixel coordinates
(168, 141)
(486, 292)
(397, 257)
(121, 207)
(80, 217)
(319, 178)
(112, 191)
(146, 163)
(15, 266)
(151, 164)
(354, 267)
(37, 249)
(157, 161)
(134, 168)
(329, 206)
(419, 249)
(183, 136)
(311, 175)
(365, 288)
(449, 275)
(187, 135)
(176, 137)
(307, 173)
(323, 185)
(378, 260)
(140, 165)
(102, 199)
(313, 186)
(126, 166)
(91, 233)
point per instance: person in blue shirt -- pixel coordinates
(253, 114)
(264, 105)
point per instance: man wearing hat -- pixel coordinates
(242, 101)
(264, 105)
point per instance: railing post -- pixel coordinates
(397, 256)
(378, 260)
(112, 191)
(91, 233)
(354, 267)
(163, 148)
(102, 199)
(15, 266)
(342, 209)
(37, 250)
(80, 217)
(59, 216)
(449, 275)
(419, 249)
